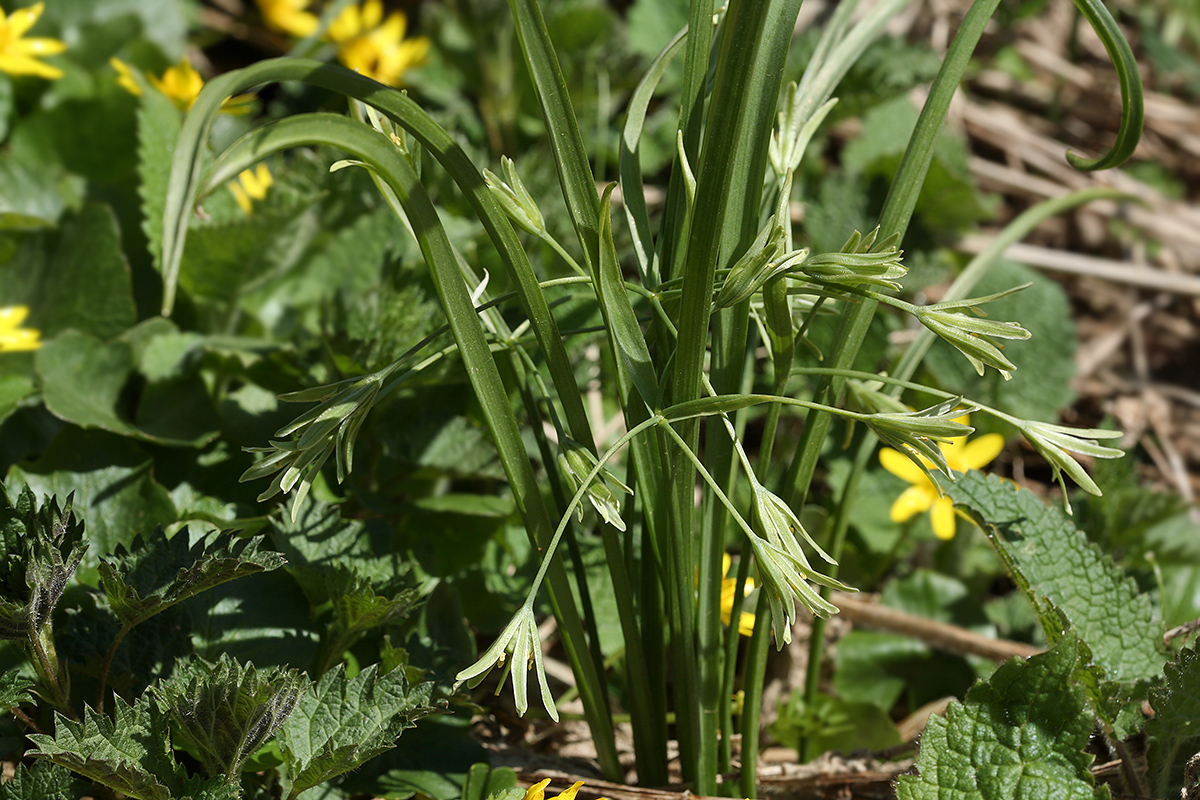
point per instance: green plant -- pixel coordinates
(677, 348)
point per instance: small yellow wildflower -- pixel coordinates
(181, 83)
(12, 336)
(538, 791)
(729, 592)
(288, 16)
(923, 495)
(251, 185)
(20, 56)
(377, 48)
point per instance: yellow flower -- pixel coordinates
(251, 185)
(12, 336)
(923, 495)
(288, 16)
(729, 592)
(376, 47)
(20, 56)
(538, 791)
(181, 83)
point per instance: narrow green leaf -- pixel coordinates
(158, 124)
(339, 723)
(1133, 112)
(1019, 736)
(622, 323)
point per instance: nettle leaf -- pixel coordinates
(1066, 577)
(1175, 728)
(14, 690)
(44, 781)
(1019, 736)
(339, 723)
(129, 752)
(358, 607)
(157, 572)
(42, 547)
(321, 540)
(222, 712)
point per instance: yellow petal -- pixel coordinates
(726, 563)
(537, 791)
(12, 316)
(912, 501)
(983, 450)
(901, 466)
(243, 200)
(372, 14)
(942, 518)
(20, 21)
(569, 794)
(15, 64)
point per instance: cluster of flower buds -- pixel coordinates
(861, 262)
(328, 428)
(916, 433)
(517, 648)
(972, 333)
(577, 464)
(1057, 442)
(515, 199)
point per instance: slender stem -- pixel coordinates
(756, 668)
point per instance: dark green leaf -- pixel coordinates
(43, 545)
(13, 389)
(339, 723)
(112, 481)
(45, 781)
(1175, 728)
(1019, 736)
(83, 378)
(222, 712)
(359, 608)
(129, 752)
(73, 277)
(155, 572)
(14, 690)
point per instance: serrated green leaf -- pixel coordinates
(44, 781)
(359, 607)
(156, 572)
(43, 545)
(14, 690)
(1175, 728)
(1019, 736)
(339, 723)
(129, 752)
(222, 712)
(1054, 563)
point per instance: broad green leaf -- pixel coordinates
(163, 24)
(14, 690)
(30, 197)
(1019, 736)
(833, 723)
(155, 572)
(339, 723)
(73, 277)
(43, 544)
(13, 389)
(112, 480)
(1175, 728)
(1054, 563)
(83, 378)
(44, 781)
(358, 607)
(222, 712)
(129, 752)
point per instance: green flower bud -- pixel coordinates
(520, 646)
(970, 334)
(916, 433)
(1057, 442)
(576, 463)
(758, 264)
(515, 199)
